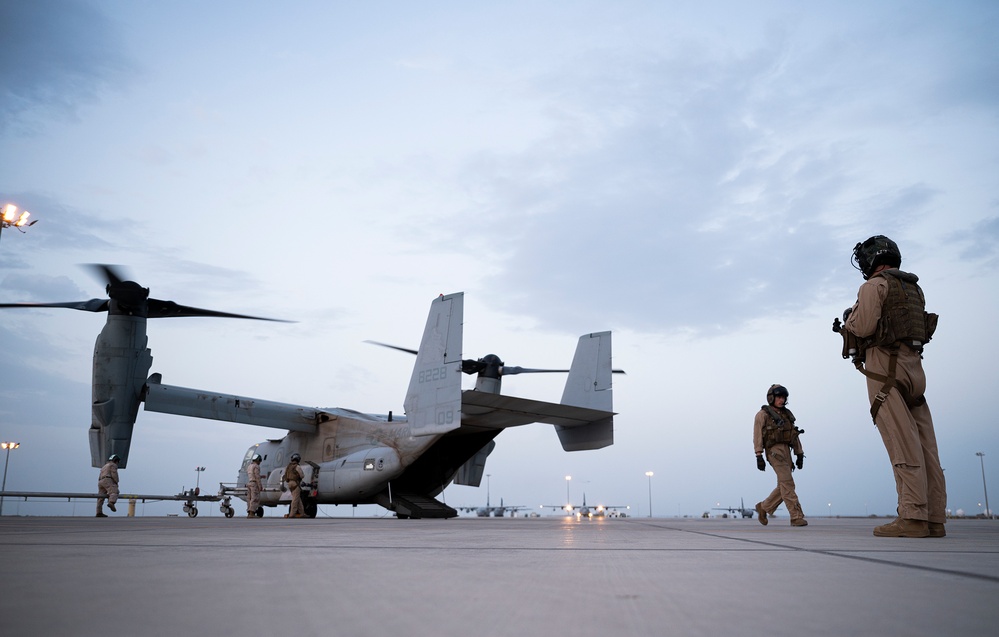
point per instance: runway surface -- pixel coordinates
(487, 576)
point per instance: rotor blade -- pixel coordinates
(513, 369)
(109, 274)
(93, 305)
(166, 309)
(401, 349)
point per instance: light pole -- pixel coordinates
(9, 218)
(567, 500)
(988, 511)
(197, 487)
(649, 474)
(8, 446)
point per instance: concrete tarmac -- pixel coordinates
(355, 577)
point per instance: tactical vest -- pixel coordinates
(904, 318)
(778, 430)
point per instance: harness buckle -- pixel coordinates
(881, 397)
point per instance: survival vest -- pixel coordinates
(778, 430)
(904, 318)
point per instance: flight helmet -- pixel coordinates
(256, 458)
(774, 391)
(295, 457)
(878, 250)
(114, 458)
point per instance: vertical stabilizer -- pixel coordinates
(589, 385)
(433, 403)
(589, 382)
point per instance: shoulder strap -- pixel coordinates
(773, 414)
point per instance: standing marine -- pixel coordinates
(253, 486)
(775, 434)
(293, 477)
(107, 485)
(885, 332)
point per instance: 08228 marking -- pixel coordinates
(432, 375)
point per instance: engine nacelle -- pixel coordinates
(121, 363)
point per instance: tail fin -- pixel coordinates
(589, 385)
(589, 382)
(433, 402)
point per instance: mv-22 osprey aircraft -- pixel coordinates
(400, 463)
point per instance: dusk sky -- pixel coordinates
(690, 175)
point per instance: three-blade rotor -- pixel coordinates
(129, 298)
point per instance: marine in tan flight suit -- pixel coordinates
(293, 477)
(890, 302)
(775, 434)
(253, 486)
(107, 485)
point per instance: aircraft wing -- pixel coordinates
(483, 410)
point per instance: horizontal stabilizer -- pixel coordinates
(497, 411)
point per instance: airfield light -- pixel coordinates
(10, 218)
(197, 487)
(650, 474)
(8, 446)
(988, 511)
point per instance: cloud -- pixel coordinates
(981, 243)
(57, 56)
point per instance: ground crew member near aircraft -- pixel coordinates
(774, 433)
(887, 328)
(253, 486)
(107, 485)
(293, 477)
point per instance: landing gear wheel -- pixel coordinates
(311, 509)
(192, 512)
(229, 512)
(260, 512)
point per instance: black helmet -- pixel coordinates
(114, 458)
(295, 457)
(878, 250)
(774, 391)
(256, 458)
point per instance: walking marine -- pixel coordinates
(107, 485)
(775, 434)
(884, 332)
